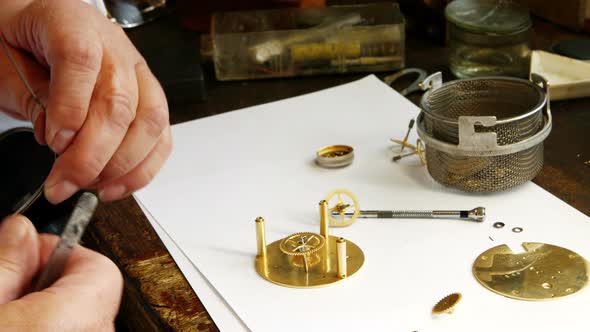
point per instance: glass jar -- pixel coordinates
(489, 38)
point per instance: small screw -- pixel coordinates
(517, 229)
(499, 224)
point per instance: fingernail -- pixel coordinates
(13, 230)
(60, 191)
(112, 192)
(62, 139)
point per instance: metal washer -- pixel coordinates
(499, 224)
(517, 229)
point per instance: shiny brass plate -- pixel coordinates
(285, 270)
(543, 272)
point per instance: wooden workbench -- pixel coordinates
(157, 297)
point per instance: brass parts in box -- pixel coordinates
(306, 260)
(543, 272)
(335, 156)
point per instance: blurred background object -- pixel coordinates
(574, 14)
(172, 53)
(573, 48)
(568, 78)
(308, 41)
(489, 38)
(196, 15)
(132, 13)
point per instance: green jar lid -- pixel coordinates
(488, 16)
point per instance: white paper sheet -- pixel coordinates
(228, 169)
(7, 122)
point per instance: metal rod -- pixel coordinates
(341, 252)
(478, 214)
(324, 219)
(405, 141)
(324, 226)
(71, 235)
(20, 73)
(400, 156)
(261, 237)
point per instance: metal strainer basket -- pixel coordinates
(484, 134)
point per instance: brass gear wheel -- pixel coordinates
(345, 200)
(300, 244)
(447, 304)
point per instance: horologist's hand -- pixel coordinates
(85, 298)
(107, 116)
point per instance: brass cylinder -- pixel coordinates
(341, 252)
(324, 219)
(261, 237)
(324, 232)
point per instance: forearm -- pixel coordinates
(11, 8)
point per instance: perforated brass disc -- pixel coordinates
(543, 272)
(286, 270)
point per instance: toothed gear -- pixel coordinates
(341, 207)
(300, 244)
(447, 304)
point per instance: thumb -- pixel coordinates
(19, 256)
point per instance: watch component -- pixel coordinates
(306, 260)
(341, 249)
(418, 149)
(302, 245)
(340, 201)
(339, 217)
(517, 229)
(542, 272)
(335, 156)
(499, 224)
(447, 304)
(410, 126)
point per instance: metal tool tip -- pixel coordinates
(88, 201)
(478, 214)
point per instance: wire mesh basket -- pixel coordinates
(484, 134)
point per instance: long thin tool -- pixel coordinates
(478, 214)
(20, 73)
(71, 235)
